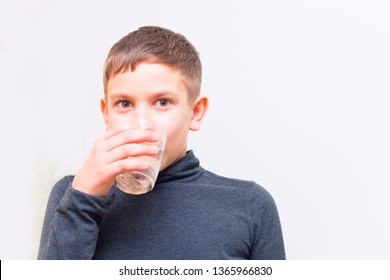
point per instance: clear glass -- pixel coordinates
(140, 182)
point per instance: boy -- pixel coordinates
(155, 74)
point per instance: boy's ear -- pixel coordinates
(103, 109)
(199, 110)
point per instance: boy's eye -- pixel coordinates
(124, 104)
(163, 102)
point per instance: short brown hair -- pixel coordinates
(152, 44)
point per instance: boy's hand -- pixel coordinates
(110, 157)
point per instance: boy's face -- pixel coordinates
(157, 93)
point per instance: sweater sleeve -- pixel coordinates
(267, 241)
(71, 224)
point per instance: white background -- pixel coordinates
(299, 93)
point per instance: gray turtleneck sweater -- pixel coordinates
(190, 214)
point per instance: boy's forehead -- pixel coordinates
(151, 70)
(148, 77)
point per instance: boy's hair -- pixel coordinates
(150, 44)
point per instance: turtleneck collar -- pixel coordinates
(185, 170)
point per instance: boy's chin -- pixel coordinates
(167, 161)
(164, 164)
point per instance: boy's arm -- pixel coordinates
(71, 224)
(76, 206)
(268, 241)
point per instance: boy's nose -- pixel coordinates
(142, 112)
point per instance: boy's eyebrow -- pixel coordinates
(118, 96)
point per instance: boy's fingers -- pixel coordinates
(129, 137)
(128, 164)
(131, 150)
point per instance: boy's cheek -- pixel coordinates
(115, 120)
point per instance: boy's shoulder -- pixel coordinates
(246, 186)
